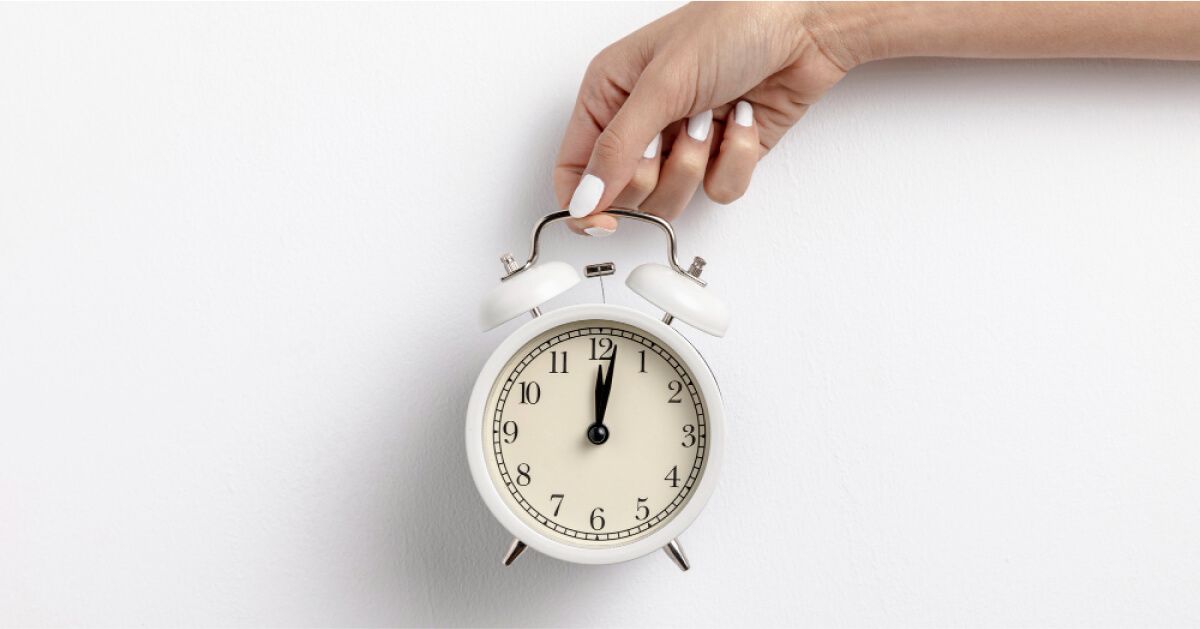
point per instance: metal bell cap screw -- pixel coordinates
(524, 289)
(510, 265)
(694, 270)
(681, 295)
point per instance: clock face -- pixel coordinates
(595, 433)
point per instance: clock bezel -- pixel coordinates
(542, 542)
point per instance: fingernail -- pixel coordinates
(699, 125)
(652, 148)
(587, 195)
(598, 232)
(744, 114)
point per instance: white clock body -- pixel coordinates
(573, 499)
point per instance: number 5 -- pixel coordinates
(643, 511)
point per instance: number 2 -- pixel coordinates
(676, 388)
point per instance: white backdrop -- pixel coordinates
(242, 247)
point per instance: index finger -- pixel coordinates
(606, 84)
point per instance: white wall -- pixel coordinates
(241, 249)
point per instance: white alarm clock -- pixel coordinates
(594, 432)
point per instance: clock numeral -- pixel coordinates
(510, 430)
(531, 392)
(602, 348)
(676, 388)
(689, 436)
(643, 367)
(597, 520)
(643, 511)
(554, 362)
(558, 506)
(673, 476)
(523, 474)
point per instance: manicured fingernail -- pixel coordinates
(598, 232)
(587, 195)
(744, 114)
(652, 148)
(699, 125)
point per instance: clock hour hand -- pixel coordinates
(597, 433)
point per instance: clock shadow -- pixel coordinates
(420, 534)
(454, 547)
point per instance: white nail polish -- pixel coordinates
(744, 114)
(652, 148)
(598, 232)
(699, 125)
(587, 195)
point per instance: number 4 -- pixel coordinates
(673, 476)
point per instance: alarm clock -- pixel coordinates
(594, 432)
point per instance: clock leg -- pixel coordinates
(514, 550)
(675, 552)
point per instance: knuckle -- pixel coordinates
(722, 193)
(643, 182)
(670, 91)
(598, 79)
(740, 145)
(609, 146)
(691, 167)
(598, 67)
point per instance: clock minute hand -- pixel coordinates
(598, 433)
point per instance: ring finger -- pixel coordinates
(683, 169)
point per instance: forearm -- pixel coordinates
(1136, 30)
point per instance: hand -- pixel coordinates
(740, 74)
(737, 76)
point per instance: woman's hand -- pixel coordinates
(701, 94)
(695, 97)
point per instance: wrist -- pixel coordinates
(854, 33)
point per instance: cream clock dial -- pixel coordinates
(596, 433)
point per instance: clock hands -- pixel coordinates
(597, 433)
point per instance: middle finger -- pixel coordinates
(683, 169)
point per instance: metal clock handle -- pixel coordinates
(672, 249)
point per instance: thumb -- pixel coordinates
(620, 146)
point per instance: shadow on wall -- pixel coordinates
(453, 547)
(429, 542)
